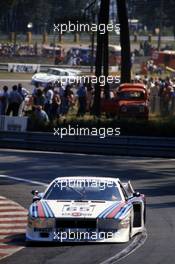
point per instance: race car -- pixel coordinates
(55, 75)
(86, 209)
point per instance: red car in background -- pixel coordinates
(131, 101)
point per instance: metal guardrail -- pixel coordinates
(122, 145)
(4, 67)
(44, 67)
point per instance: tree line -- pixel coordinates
(16, 14)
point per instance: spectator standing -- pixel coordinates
(15, 100)
(172, 102)
(49, 100)
(154, 91)
(166, 99)
(65, 102)
(23, 92)
(4, 97)
(81, 100)
(35, 88)
(89, 98)
(39, 98)
(56, 105)
(41, 115)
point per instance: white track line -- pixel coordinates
(18, 81)
(135, 244)
(23, 180)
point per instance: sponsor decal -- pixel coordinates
(20, 67)
(77, 210)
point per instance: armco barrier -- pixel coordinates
(45, 67)
(122, 145)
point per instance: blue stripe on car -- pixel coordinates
(123, 210)
(49, 209)
(107, 210)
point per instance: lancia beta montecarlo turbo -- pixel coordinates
(86, 209)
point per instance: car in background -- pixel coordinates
(53, 75)
(86, 209)
(79, 56)
(165, 57)
(53, 52)
(131, 101)
(83, 55)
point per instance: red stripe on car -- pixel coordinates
(115, 211)
(40, 210)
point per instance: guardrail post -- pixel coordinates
(149, 38)
(45, 38)
(29, 37)
(76, 37)
(60, 38)
(12, 37)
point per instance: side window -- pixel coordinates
(57, 73)
(124, 192)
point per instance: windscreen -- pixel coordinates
(130, 95)
(85, 190)
(54, 72)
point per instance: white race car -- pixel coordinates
(86, 209)
(55, 74)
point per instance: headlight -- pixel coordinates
(124, 109)
(141, 108)
(124, 223)
(41, 222)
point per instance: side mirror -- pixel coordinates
(36, 196)
(136, 194)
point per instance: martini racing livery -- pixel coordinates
(86, 209)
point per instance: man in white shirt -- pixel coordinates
(49, 100)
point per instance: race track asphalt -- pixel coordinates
(153, 177)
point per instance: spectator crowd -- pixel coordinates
(11, 49)
(54, 101)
